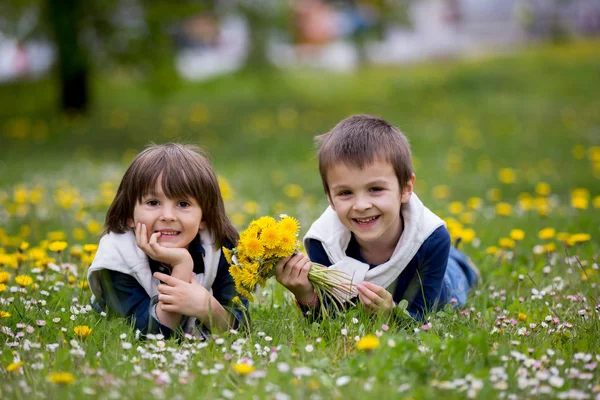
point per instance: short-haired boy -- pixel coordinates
(376, 228)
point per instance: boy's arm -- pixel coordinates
(425, 288)
(128, 299)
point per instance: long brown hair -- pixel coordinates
(184, 172)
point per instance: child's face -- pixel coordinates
(178, 220)
(367, 201)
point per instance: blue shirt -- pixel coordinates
(421, 283)
(127, 298)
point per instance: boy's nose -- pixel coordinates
(362, 204)
(167, 214)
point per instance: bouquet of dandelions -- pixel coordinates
(263, 244)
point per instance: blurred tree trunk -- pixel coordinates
(73, 67)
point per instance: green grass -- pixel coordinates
(535, 113)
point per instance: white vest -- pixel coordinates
(419, 224)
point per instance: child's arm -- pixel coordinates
(180, 261)
(292, 272)
(375, 297)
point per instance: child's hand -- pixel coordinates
(167, 255)
(374, 297)
(293, 274)
(179, 297)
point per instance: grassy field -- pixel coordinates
(506, 149)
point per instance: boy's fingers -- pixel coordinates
(369, 294)
(280, 265)
(169, 280)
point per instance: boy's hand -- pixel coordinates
(374, 297)
(179, 297)
(167, 255)
(292, 272)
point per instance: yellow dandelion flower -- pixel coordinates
(83, 285)
(289, 224)
(5, 314)
(76, 251)
(455, 207)
(441, 192)
(580, 203)
(522, 317)
(503, 209)
(517, 234)
(57, 246)
(24, 246)
(543, 189)
(82, 331)
(507, 175)
(474, 203)
(4, 276)
(270, 237)
(90, 248)
(467, 218)
(251, 207)
(547, 233)
(2, 287)
(14, 366)
(578, 238)
(227, 253)
(62, 378)
(293, 191)
(264, 222)
(287, 244)
(243, 291)
(549, 248)
(253, 248)
(243, 368)
(506, 243)
(467, 235)
(56, 236)
(369, 342)
(596, 202)
(36, 253)
(492, 250)
(563, 236)
(23, 280)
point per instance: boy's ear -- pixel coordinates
(408, 189)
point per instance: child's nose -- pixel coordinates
(362, 203)
(168, 213)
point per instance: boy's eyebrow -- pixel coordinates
(376, 181)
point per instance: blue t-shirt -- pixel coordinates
(421, 283)
(127, 298)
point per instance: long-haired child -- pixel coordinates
(159, 262)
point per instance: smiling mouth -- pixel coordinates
(169, 233)
(365, 220)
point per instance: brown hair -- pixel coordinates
(184, 171)
(360, 140)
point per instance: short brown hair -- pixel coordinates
(184, 172)
(360, 140)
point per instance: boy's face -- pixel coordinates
(367, 201)
(178, 220)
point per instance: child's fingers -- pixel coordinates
(279, 267)
(374, 288)
(167, 279)
(166, 298)
(172, 308)
(372, 297)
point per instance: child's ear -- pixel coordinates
(130, 223)
(408, 189)
(202, 226)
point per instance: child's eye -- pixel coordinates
(345, 193)
(152, 202)
(184, 204)
(376, 189)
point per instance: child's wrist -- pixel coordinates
(309, 300)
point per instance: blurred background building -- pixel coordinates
(203, 39)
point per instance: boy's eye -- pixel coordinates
(376, 189)
(344, 193)
(184, 204)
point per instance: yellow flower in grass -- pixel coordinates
(563, 236)
(82, 331)
(492, 250)
(580, 203)
(4, 276)
(369, 342)
(57, 246)
(9, 260)
(14, 366)
(62, 378)
(4, 314)
(507, 243)
(546, 233)
(23, 280)
(578, 238)
(243, 368)
(293, 191)
(517, 234)
(549, 248)
(24, 246)
(474, 203)
(522, 317)
(455, 207)
(90, 248)
(2, 287)
(504, 209)
(467, 235)
(543, 189)
(507, 175)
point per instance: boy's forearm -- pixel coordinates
(172, 320)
